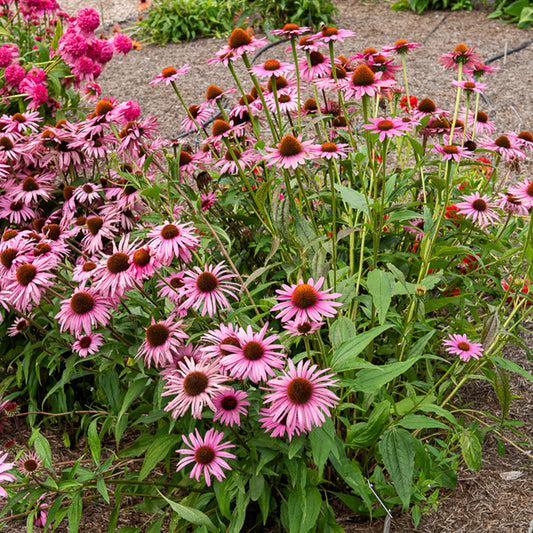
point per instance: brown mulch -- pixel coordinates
(484, 501)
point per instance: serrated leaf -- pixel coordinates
(380, 285)
(372, 378)
(345, 357)
(413, 421)
(94, 442)
(194, 516)
(342, 330)
(354, 199)
(74, 513)
(398, 454)
(152, 192)
(470, 450)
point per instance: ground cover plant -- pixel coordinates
(282, 314)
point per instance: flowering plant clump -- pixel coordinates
(277, 317)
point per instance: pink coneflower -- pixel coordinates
(196, 117)
(223, 130)
(478, 208)
(171, 287)
(479, 122)
(97, 229)
(272, 67)
(143, 262)
(287, 102)
(461, 346)
(380, 63)
(194, 385)
(29, 462)
(278, 427)
(290, 152)
(522, 139)
(29, 282)
(12, 255)
(451, 151)
(169, 74)
(206, 289)
(83, 310)
(207, 453)
(505, 146)
(83, 272)
(334, 81)
(255, 357)
(239, 43)
(87, 193)
(229, 405)
(301, 396)
(113, 273)
(470, 86)
(305, 301)
(387, 127)
(426, 107)
(162, 340)
(33, 188)
(207, 201)
(18, 326)
(214, 93)
(173, 239)
(329, 33)
(302, 328)
(401, 47)
(290, 30)
(317, 66)
(219, 337)
(512, 204)
(308, 44)
(331, 150)
(15, 212)
(88, 344)
(461, 55)
(21, 122)
(523, 192)
(234, 160)
(365, 82)
(4, 476)
(415, 228)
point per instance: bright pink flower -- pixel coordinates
(302, 328)
(290, 30)
(329, 33)
(170, 74)
(208, 455)
(193, 385)
(365, 82)
(470, 86)
(478, 208)
(87, 19)
(387, 127)
(162, 340)
(461, 346)
(83, 310)
(122, 43)
(301, 396)
(4, 476)
(88, 344)
(305, 301)
(290, 152)
(173, 239)
(239, 43)
(272, 67)
(229, 405)
(402, 47)
(451, 151)
(255, 357)
(219, 337)
(524, 192)
(206, 289)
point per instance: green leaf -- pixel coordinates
(94, 442)
(74, 513)
(257, 486)
(503, 391)
(321, 446)
(470, 450)
(353, 199)
(421, 421)
(102, 489)
(511, 367)
(343, 329)
(365, 434)
(396, 448)
(135, 389)
(152, 192)
(42, 447)
(380, 285)
(111, 387)
(157, 452)
(345, 357)
(371, 379)
(156, 526)
(303, 509)
(194, 516)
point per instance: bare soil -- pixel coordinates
(489, 501)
